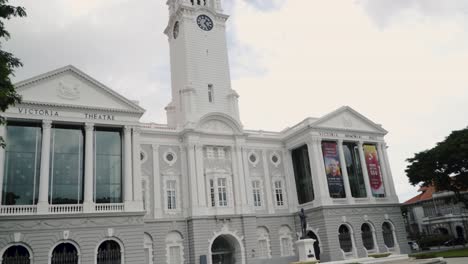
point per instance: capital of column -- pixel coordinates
(89, 126)
(155, 147)
(127, 129)
(46, 124)
(340, 141)
(360, 143)
(136, 130)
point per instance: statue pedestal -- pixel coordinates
(305, 248)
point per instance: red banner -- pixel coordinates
(373, 169)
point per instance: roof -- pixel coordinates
(426, 194)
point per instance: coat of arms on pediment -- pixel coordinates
(68, 91)
(216, 126)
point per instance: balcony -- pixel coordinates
(15, 210)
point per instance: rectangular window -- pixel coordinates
(66, 165)
(210, 153)
(22, 164)
(279, 193)
(108, 165)
(210, 93)
(222, 192)
(354, 169)
(262, 248)
(256, 189)
(302, 173)
(285, 247)
(212, 193)
(171, 195)
(221, 153)
(333, 169)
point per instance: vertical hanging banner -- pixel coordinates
(333, 169)
(373, 169)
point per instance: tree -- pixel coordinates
(8, 62)
(445, 166)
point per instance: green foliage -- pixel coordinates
(457, 253)
(382, 255)
(8, 62)
(306, 262)
(445, 166)
(433, 240)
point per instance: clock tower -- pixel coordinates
(201, 82)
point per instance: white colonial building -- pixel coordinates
(83, 181)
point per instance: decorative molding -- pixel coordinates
(216, 126)
(110, 232)
(66, 234)
(17, 237)
(68, 91)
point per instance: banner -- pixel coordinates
(333, 169)
(373, 169)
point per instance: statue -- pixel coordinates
(303, 218)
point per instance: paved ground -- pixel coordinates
(457, 260)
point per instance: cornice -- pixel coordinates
(79, 107)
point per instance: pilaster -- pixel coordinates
(157, 183)
(290, 181)
(185, 181)
(43, 203)
(236, 171)
(386, 163)
(267, 185)
(238, 149)
(192, 178)
(2, 160)
(200, 176)
(88, 204)
(128, 177)
(137, 182)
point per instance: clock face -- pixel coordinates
(205, 22)
(175, 31)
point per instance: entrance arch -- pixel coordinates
(311, 234)
(226, 249)
(460, 232)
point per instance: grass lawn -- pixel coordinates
(455, 253)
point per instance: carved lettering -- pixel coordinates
(41, 112)
(99, 116)
(352, 136)
(328, 134)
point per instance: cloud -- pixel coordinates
(385, 12)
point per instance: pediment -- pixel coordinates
(346, 118)
(216, 126)
(69, 86)
(218, 123)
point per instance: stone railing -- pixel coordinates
(65, 208)
(112, 207)
(18, 210)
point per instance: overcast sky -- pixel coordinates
(401, 63)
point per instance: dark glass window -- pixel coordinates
(109, 252)
(388, 235)
(66, 165)
(65, 253)
(367, 237)
(302, 174)
(346, 244)
(16, 254)
(354, 169)
(22, 164)
(108, 166)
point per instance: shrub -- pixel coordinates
(433, 240)
(383, 255)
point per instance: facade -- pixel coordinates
(84, 180)
(433, 212)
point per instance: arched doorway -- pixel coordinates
(222, 251)
(460, 233)
(312, 235)
(64, 253)
(344, 236)
(367, 236)
(109, 252)
(387, 233)
(16, 254)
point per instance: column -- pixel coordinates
(268, 187)
(248, 182)
(344, 172)
(242, 179)
(43, 203)
(157, 190)
(2, 160)
(236, 174)
(185, 181)
(364, 170)
(386, 163)
(137, 182)
(290, 181)
(88, 205)
(193, 179)
(128, 178)
(319, 178)
(201, 177)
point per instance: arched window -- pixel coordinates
(263, 243)
(367, 236)
(148, 246)
(346, 243)
(387, 232)
(65, 253)
(16, 254)
(109, 252)
(174, 248)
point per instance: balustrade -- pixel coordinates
(18, 210)
(66, 209)
(116, 207)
